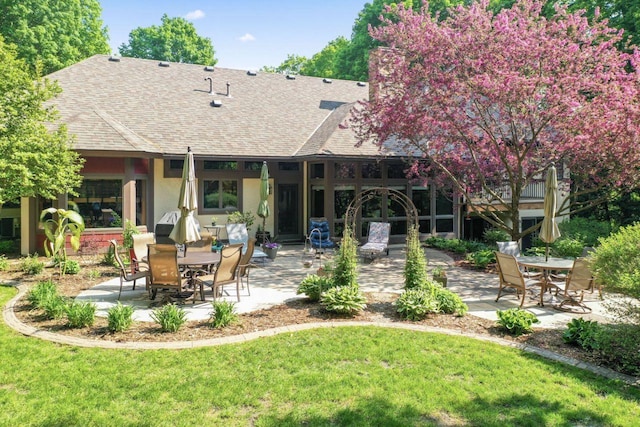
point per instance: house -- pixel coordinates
(133, 120)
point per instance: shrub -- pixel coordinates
(450, 302)
(119, 317)
(343, 300)
(619, 347)
(170, 317)
(93, 274)
(55, 307)
(345, 265)
(416, 303)
(516, 321)
(4, 263)
(80, 314)
(415, 268)
(493, 235)
(567, 247)
(223, 314)
(582, 333)
(7, 246)
(127, 234)
(70, 266)
(313, 286)
(109, 257)
(481, 258)
(588, 231)
(31, 265)
(41, 292)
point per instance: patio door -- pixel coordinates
(288, 212)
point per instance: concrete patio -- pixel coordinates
(275, 282)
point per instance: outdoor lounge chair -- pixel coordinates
(165, 274)
(512, 277)
(578, 280)
(237, 233)
(226, 272)
(377, 240)
(319, 235)
(124, 275)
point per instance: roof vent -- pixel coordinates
(216, 103)
(208, 68)
(291, 77)
(252, 73)
(114, 58)
(327, 80)
(361, 84)
(164, 64)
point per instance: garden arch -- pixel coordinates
(364, 196)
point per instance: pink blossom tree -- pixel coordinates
(484, 102)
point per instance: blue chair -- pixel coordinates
(319, 235)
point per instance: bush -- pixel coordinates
(7, 246)
(588, 231)
(345, 272)
(582, 333)
(127, 234)
(80, 314)
(119, 317)
(482, 258)
(450, 302)
(223, 314)
(4, 263)
(313, 286)
(566, 247)
(109, 258)
(619, 347)
(493, 235)
(41, 292)
(415, 268)
(416, 303)
(70, 266)
(31, 265)
(343, 300)
(55, 307)
(170, 317)
(516, 321)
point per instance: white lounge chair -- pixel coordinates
(237, 233)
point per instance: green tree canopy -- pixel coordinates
(35, 161)
(292, 65)
(176, 40)
(322, 64)
(53, 32)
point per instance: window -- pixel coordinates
(252, 166)
(220, 194)
(345, 170)
(396, 171)
(371, 171)
(421, 197)
(316, 171)
(99, 201)
(221, 166)
(343, 195)
(176, 164)
(289, 166)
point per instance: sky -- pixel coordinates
(246, 34)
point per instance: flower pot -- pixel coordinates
(271, 252)
(216, 248)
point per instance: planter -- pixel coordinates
(271, 252)
(216, 248)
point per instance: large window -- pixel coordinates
(220, 194)
(99, 201)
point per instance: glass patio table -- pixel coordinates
(546, 266)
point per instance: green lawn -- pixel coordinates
(355, 376)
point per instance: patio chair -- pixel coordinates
(512, 277)
(578, 280)
(140, 242)
(319, 235)
(226, 272)
(124, 275)
(165, 274)
(377, 240)
(512, 248)
(237, 233)
(245, 263)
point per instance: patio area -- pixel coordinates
(274, 282)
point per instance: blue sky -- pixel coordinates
(246, 34)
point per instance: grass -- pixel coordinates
(354, 376)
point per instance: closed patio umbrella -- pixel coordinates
(263, 207)
(549, 231)
(186, 229)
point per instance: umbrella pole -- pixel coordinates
(264, 231)
(546, 253)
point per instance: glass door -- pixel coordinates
(288, 208)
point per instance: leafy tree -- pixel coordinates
(52, 32)
(35, 161)
(322, 64)
(486, 101)
(292, 65)
(175, 40)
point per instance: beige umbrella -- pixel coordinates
(186, 229)
(549, 231)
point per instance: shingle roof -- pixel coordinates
(135, 105)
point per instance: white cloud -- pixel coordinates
(247, 38)
(196, 14)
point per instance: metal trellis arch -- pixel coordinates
(368, 194)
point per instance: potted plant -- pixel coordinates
(271, 249)
(216, 245)
(214, 221)
(440, 276)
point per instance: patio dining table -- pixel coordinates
(546, 266)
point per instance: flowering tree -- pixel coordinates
(484, 102)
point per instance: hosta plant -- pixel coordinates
(417, 303)
(343, 300)
(516, 321)
(313, 286)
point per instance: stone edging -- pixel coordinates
(13, 322)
